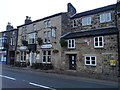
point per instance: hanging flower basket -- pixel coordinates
(24, 42)
(39, 40)
(63, 43)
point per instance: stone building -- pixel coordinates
(8, 43)
(38, 41)
(92, 42)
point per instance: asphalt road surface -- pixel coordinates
(18, 78)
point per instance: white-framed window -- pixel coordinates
(4, 34)
(71, 43)
(86, 21)
(74, 23)
(46, 56)
(105, 17)
(22, 56)
(53, 31)
(47, 36)
(47, 23)
(90, 60)
(34, 27)
(98, 42)
(11, 41)
(32, 38)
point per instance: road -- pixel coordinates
(18, 78)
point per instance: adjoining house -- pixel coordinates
(92, 42)
(8, 42)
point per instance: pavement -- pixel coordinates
(70, 73)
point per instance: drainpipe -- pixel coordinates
(118, 44)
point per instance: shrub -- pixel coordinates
(63, 43)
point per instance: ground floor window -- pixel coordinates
(90, 60)
(46, 57)
(23, 56)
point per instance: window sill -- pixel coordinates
(98, 47)
(91, 65)
(71, 48)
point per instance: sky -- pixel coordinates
(15, 11)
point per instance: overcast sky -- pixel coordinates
(15, 11)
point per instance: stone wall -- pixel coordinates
(95, 23)
(103, 55)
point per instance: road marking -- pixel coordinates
(7, 77)
(41, 86)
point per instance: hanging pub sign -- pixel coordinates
(113, 62)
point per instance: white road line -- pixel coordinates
(7, 77)
(41, 86)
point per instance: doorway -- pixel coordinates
(72, 62)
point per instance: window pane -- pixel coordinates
(87, 62)
(49, 23)
(44, 52)
(44, 58)
(87, 58)
(49, 58)
(73, 43)
(100, 44)
(49, 52)
(89, 21)
(96, 39)
(93, 62)
(92, 58)
(53, 33)
(100, 38)
(108, 17)
(45, 24)
(75, 23)
(102, 18)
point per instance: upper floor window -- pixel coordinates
(53, 31)
(105, 17)
(74, 23)
(34, 27)
(86, 21)
(90, 60)
(32, 38)
(98, 42)
(47, 23)
(0, 42)
(4, 34)
(71, 43)
(11, 41)
(47, 36)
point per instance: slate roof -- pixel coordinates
(91, 32)
(43, 19)
(94, 11)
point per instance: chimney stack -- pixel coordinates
(71, 9)
(28, 20)
(9, 26)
